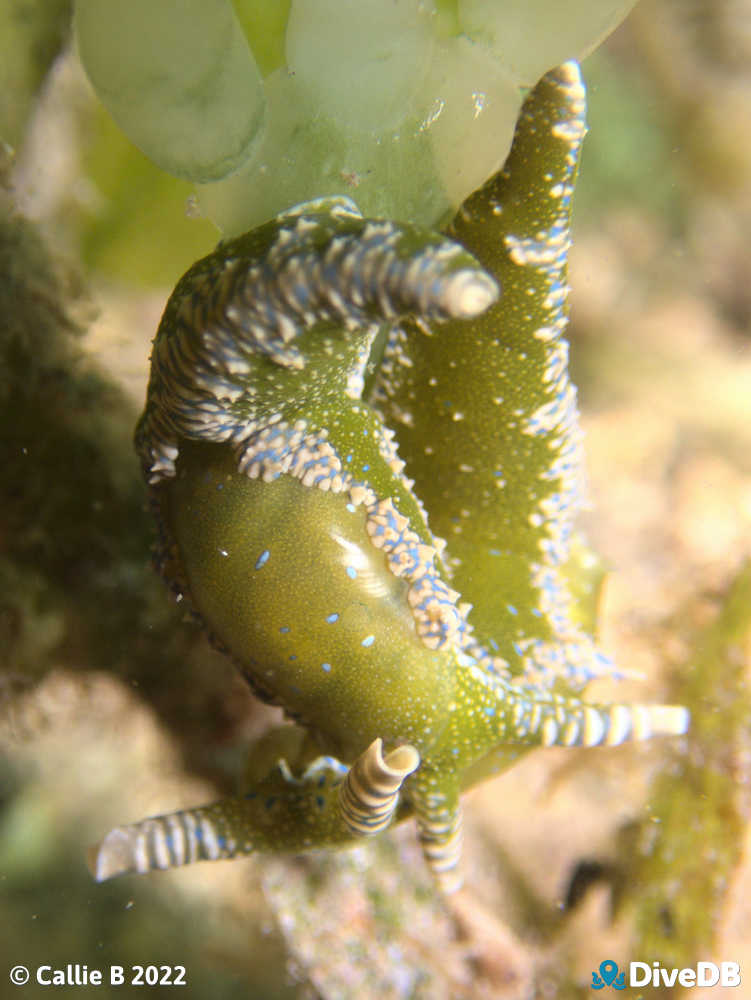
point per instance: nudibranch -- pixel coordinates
(311, 545)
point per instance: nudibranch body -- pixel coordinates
(313, 554)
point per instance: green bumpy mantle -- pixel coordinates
(312, 546)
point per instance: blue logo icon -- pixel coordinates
(609, 976)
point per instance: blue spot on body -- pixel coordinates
(300, 291)
(368, 640)
(326, 666)
(351, 508)
(320, 801)
(351, 572)
(489, 710)
(332, 618)
(366, 467)
(284, 629)
(293, 656)
(262, 559)
(512, 609)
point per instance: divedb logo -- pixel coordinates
(643, 974)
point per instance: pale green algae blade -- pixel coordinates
(409, 106)
(365, 62)
(559, 30)
(179, 79)
(335, 125)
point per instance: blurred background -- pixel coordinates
(113, 708)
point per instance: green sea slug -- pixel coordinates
(410, 604)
